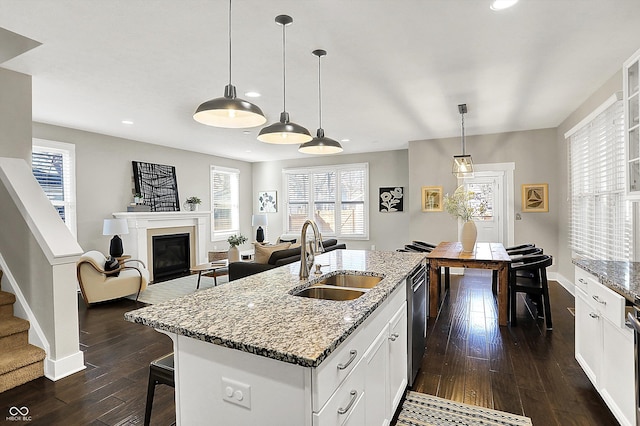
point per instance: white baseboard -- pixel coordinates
(564, 282)
(61, 368)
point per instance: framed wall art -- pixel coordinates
(391, 199)
(535, 197)
(267, 201)
(158, 186)
(431, 198)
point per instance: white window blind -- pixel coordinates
(601, 217)
(335, 197)
(225, 196)
(53, 166)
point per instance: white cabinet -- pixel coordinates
(631, 96)
(397, 358)
(364, 380)
(604, 345)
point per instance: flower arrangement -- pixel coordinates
(464, 204)
(193, 200)
(236, 240)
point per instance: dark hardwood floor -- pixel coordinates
(112, 389)
(524, 370)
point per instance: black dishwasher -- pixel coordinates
(417, 293)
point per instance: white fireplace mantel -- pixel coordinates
(135, 242)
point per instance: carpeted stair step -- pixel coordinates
(6, 304)
(14, 332)
(20, 366)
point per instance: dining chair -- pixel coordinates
(535, 284)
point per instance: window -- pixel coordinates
(335, 197)
(601, 217)
(53, 166)
(225, 195)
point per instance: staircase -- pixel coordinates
(20, 362)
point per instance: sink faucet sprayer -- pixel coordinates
(315, 246)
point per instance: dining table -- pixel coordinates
(485, 255)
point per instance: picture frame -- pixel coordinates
(391, 199)
(158, 186)
(432, 199)
(268, 202)
(535, 197)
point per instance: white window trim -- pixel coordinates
(337, 168)
(223, 235)
(68, 150)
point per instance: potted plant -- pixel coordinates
(137, 198)
(192, 203)
(234, 241)
(464, 205)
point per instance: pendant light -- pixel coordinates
(462, 164)
(320, 144)
(284, 131)
(229, 111)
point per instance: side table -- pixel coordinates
(212, 267)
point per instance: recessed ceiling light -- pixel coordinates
(502, 4)
(252, 94)
(246, 132)
(345, 140)
(128, 122)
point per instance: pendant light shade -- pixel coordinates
(462, 164)
(320, 144)
(229, 111)
(284, 131)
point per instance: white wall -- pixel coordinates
(104, 179)
(387, 231)
(536, 161)
(15, 115)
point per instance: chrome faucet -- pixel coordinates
(315, 246)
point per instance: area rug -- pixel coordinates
(168, 290)
(420, 409)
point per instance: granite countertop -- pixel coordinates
(620, 276)
(257, 314)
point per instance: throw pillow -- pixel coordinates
(262, 253)
(112, 265)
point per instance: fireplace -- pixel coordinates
(171, 256)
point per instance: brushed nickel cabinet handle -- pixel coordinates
(353, 354)
(354, 396)
(393, 337)
(592, 315)
(597, 299)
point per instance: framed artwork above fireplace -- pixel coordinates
(158, 186)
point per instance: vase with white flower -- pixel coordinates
(234, 241)
(465, 205)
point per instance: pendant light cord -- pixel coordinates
(229, 42)
(319, 94)
(463, 133)
(284, 71)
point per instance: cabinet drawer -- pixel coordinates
(583, 278)
(345, 402)
(333, 370)
(609, 303)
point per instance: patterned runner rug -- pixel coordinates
(420, 409)
(167, 290)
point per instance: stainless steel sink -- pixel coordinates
(330, 293)
(351, 281)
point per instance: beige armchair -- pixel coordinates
(98, 285)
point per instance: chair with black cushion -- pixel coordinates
(424, 244)
(515, 254)
(161, 372)
(415, 248)
(525, 251)
(520, 246)
(538, 286)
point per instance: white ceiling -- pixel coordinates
(395, 70)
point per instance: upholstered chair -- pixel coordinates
(97, 285)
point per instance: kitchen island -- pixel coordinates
(251, 352)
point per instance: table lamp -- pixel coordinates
(259, 220)
(115, 227)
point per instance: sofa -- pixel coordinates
(269, 257)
